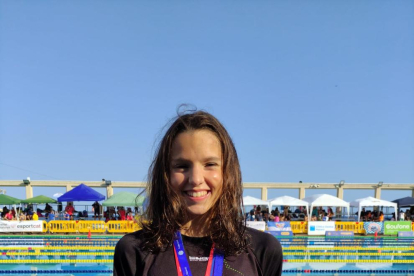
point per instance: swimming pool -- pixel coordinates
(79, 255)
(352, 256)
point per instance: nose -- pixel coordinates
(196, 176)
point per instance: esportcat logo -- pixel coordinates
(29, 226)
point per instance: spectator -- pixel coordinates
(250, 216)
(136, 217)
(402, 215)
(66, 216)
(96, 210)
(314, 211)
(381, 217)
(277, 212)
(35, 216)
(121, 213)
(4, 212)
(330, 213)
(51, 215)
(258, 215)
(9, 215)
(266, 217)
(130, 216)
(59, 207)
(70, 210)
(29, 214)
(22, 216)
(48, 208)
(39, 214)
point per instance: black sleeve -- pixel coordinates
(127, 256)
(268, 252)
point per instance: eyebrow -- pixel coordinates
(208, 159)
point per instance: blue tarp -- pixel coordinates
(81, 193)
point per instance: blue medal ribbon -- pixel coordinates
(217, 262)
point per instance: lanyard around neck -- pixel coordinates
(215, 260)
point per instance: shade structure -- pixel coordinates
(81, 193)
(287, 201)
(405, 201)
(39, 199)
(8, 200)
(372, 201)
(250, 201)
(124, 199)
(325, 200)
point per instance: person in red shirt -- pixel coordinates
(130, 216)
(121, 213)
(70, 209)
(9, 215)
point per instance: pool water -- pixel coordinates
(79, 255)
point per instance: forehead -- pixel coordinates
(196, 141)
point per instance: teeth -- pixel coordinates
(197, 194)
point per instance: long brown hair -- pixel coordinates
(166, 213)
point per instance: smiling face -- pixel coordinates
(196, 169)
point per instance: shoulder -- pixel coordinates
(259, 238)
(267, 251)
(130, 241)
(128, 257)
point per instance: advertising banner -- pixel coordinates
(280, 233)
(279, 226)
(393, 227)
(339, 233)
(320, 227)
(21, 226)
(372, 227)
(406, 234)
(259, 225)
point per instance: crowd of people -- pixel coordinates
(276, 215)
(20, 214)
(69, 213)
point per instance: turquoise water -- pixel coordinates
(70, 255)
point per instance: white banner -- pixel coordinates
(259, 225)
(21, 226)
(320, 227)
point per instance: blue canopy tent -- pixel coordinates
(81, 193)
(405, 201)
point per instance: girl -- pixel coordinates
(194, 224)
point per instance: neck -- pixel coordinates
(197, 226)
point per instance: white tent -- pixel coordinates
(325, 200)
(287, 201)
(372, 201)
(250, 201)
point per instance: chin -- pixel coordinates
(197, 211)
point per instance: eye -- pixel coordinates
(180, 166)
(211, 164)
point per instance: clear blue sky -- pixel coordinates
(317, 91)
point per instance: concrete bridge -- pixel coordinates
(264, 186)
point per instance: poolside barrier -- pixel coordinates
(117, 226)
